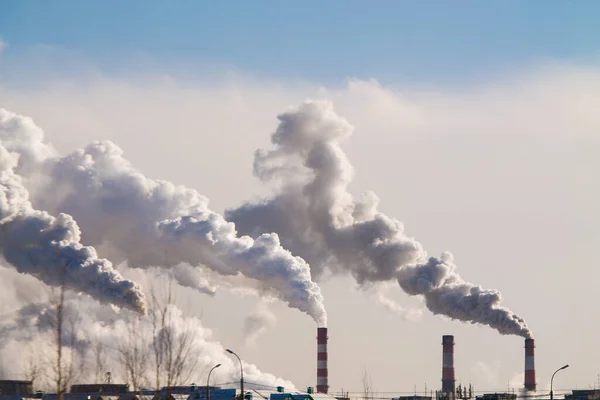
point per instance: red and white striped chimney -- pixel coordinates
(322, 382)
(448, 378)
(530, 365)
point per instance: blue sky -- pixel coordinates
(324, 41)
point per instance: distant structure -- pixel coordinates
(497, 396)
(592, 394)
(414, 397)
(14, 388)
(322, 372)
(448, 376)
(105, 388)
(530, 383)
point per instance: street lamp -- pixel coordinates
(208, 381)
(241, 372)
(552, 379)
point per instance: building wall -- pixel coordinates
(16, 387)
(100, 388)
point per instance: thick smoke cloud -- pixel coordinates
(146, 222)
(447, 294)
(49, 247)
(318, 219)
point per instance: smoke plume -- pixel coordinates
(379, 294)
(318, 219)
(49, 247)
(446, 293)
(258, 323)
(27, 333)
(136, 219)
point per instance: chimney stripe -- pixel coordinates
(322, 372)
(448, 376)
(530, 383)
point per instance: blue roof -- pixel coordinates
(290, 396)
(215, 394)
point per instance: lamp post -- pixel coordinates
(552, 379)
(241, 371)
(208, 381)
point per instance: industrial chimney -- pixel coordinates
(448, 379)
(529, 365)
(322, 382)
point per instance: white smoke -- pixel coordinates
(146, 222)
(37, 243)
(258, 323)
(318, 219)
(191, 277)
(27, 329)
(486, 373)
(379, 294)
(446, 293)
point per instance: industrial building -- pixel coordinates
(106, 388)
(497, 396)
(414, 397)
(592, 394)
(12, 387)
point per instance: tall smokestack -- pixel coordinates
(529, 365)
(448, 380)
(322, 382)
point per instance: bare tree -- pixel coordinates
(158, 316)
(32, 369)
(134, 355)
(65, 370)
(74, 366)
(173, 348)
(178, 346)
(367, 384)
(59, 304)
(100, 359)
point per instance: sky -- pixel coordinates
(475, 123)
(433, 42)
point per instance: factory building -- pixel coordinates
(12, 387)
(592, 394)
(497, 396)
(414, 397)
(106, 388)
